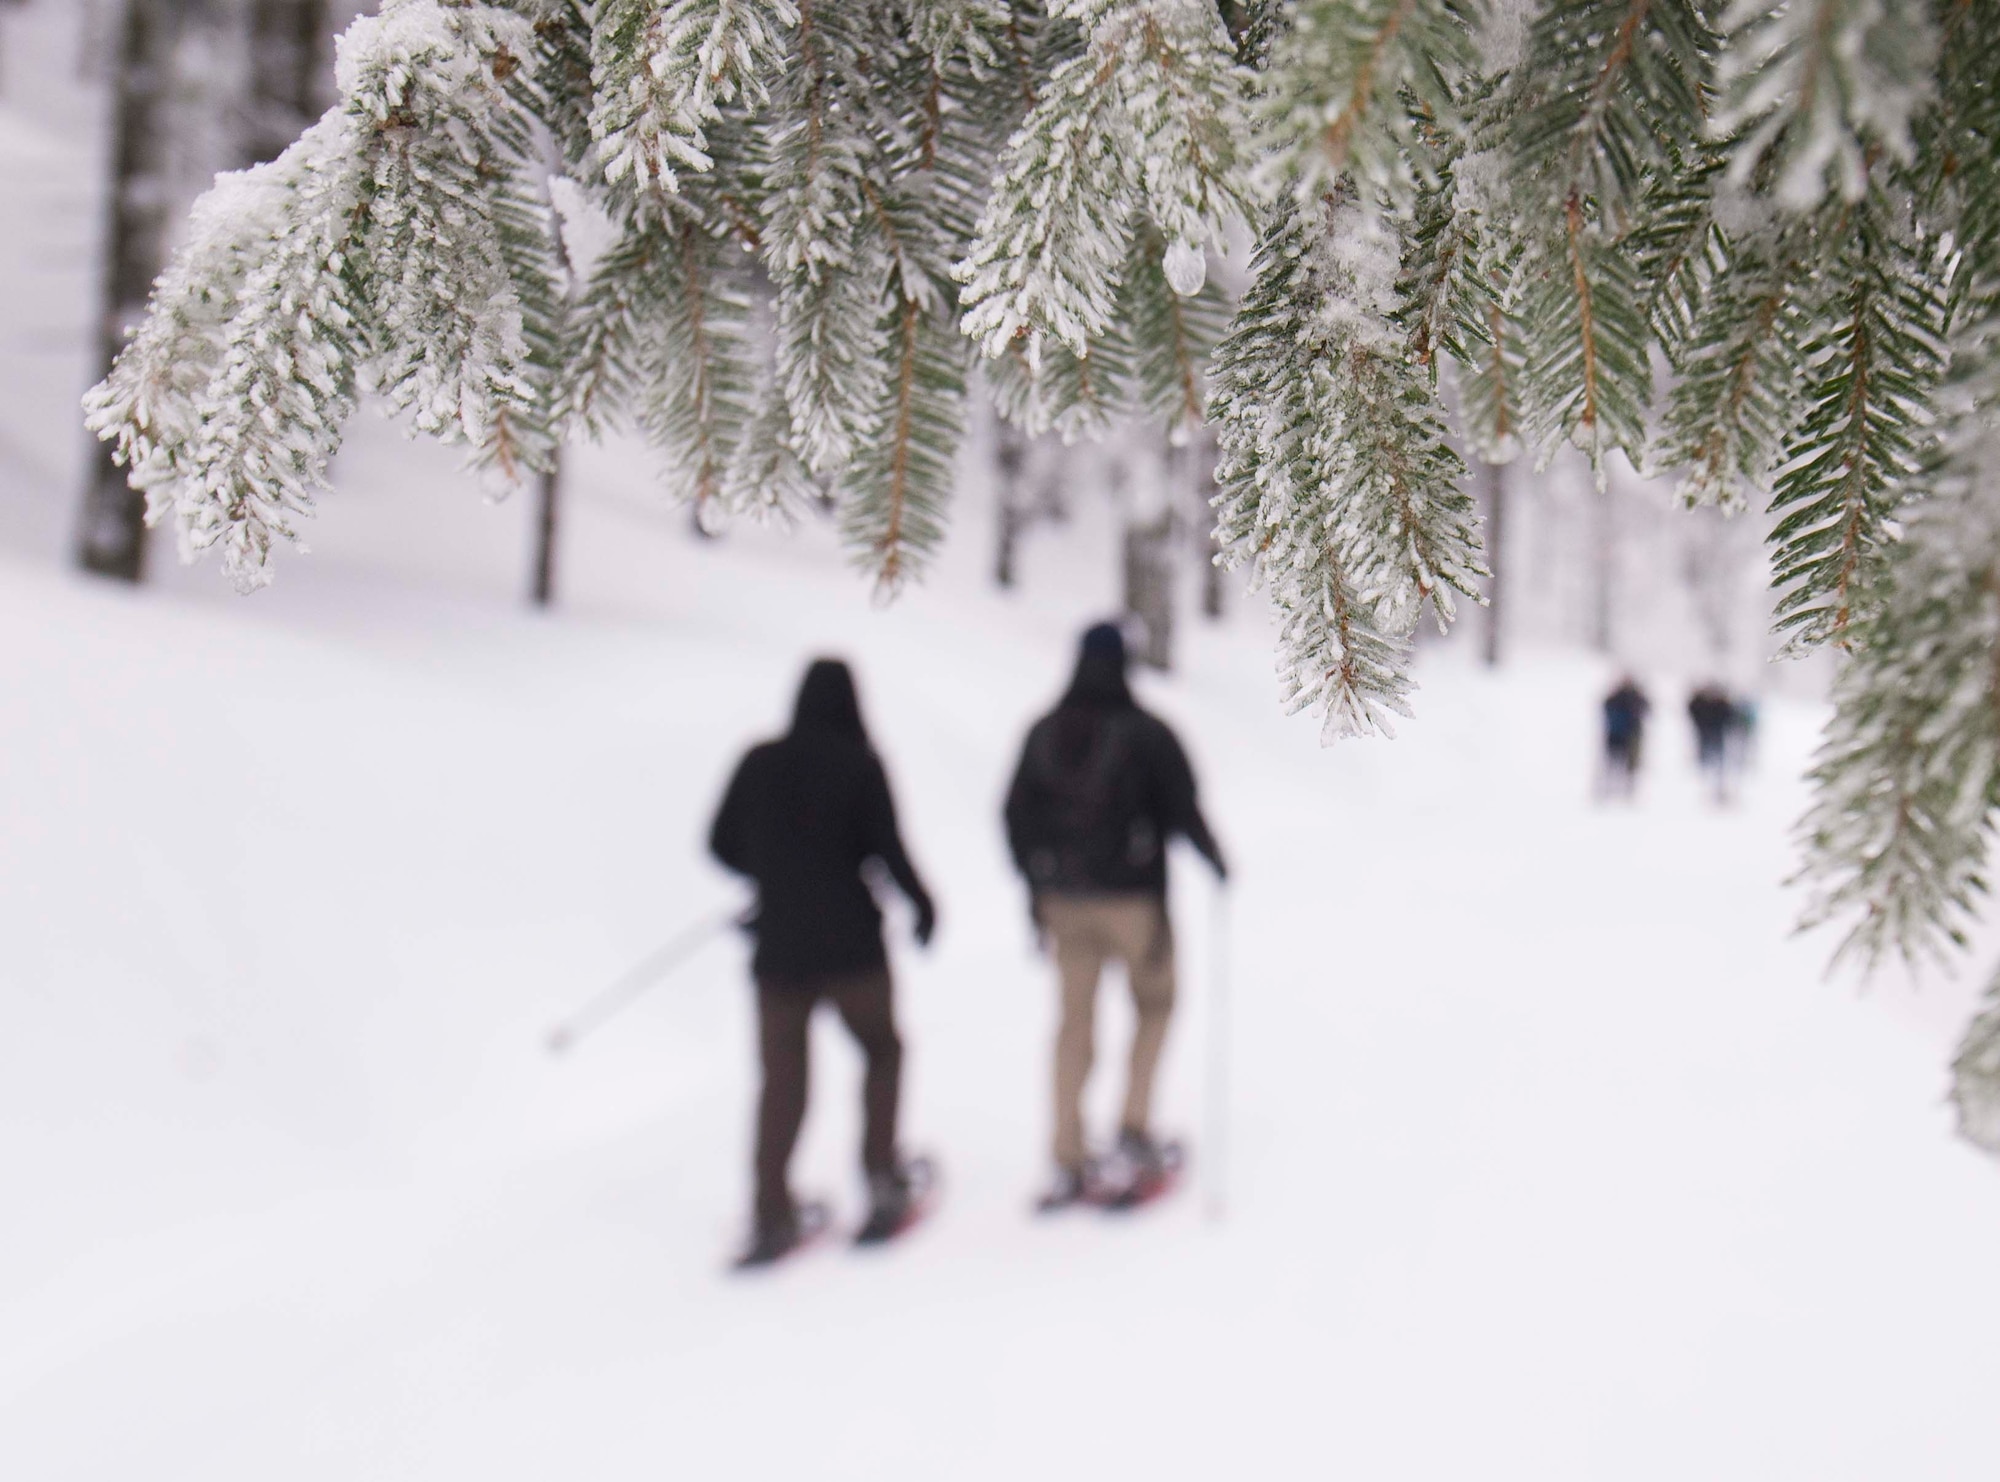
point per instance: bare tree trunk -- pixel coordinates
(1494, 477)
(1149, 571)
(1010, 458)
(548, 492)
(1604, 563)
(289, 81)
(112, 538)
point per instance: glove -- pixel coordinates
(926, 921)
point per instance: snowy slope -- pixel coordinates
(1552, 1156)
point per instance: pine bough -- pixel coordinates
(1756, 243)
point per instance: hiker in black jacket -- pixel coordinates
(1101, 788)
(802, 816)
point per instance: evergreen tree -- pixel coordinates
(1526, 210)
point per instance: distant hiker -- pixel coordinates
(1101, 788)
(1717, 722)
(1743, 733)
(1624, 736)
(802, 815)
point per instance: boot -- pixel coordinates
(1069, 1186)
(772, 1238)
(889, 1199)
(1140, 1169)
(1140, 1155)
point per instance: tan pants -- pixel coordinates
(1086, 931)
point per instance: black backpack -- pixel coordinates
(1092, 828)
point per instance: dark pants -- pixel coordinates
(784, 1012)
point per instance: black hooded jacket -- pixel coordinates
(1100, 789)
(800, 817)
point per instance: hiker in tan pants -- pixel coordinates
(1089, 931)
(1101, 788)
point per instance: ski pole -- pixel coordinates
(1216, 1082)
(626, 990)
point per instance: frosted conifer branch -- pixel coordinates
(430, 86)
(1814, 85)
(1172, 336)
(1074, 396)
(320, 271)
(896, 488)
(1145, 119)
(1742, 382)
(1349, 82)
(561, 74)
(1336, 480)
(831, 279)
(1876, 355)
(663, 71)
(227, 406)
(662, 340)
(766, 479)
(1608, 100)
(1975, 1077)
(1897, 838)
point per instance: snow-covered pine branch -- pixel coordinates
(1741, 372)
(1875, 354)
(1351, 84)
(1910, 772)
(662, 74)
(390, 246)
(1337, 482)
(1608, 101)
(1814, 87)
(822, 208)
(1975, 1076)
(1143, 120)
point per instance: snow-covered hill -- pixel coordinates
(1551, 1156)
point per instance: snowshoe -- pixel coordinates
(1140, 1171)
(1069, 1188)
(898, 1202)
(771, 1242)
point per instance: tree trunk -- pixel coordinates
(112, 540)
(548, 491)
(1207, 540)
(1494, 477)
(1604, 564)
(1010, 458)
(1149, 570)
(288, 85)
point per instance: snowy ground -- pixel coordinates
(1552, 1157)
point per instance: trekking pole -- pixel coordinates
(626, 990)
(1216, 1081)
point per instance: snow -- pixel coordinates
(1551, 1157)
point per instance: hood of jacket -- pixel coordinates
(827, 703)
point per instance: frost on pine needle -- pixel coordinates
(1336, 480)
(151, 406)
(1898, 835)
(1144, 120)
(228, 404)
(1351, 83)
(662, 75)
(390, 245)
(1813, 85)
